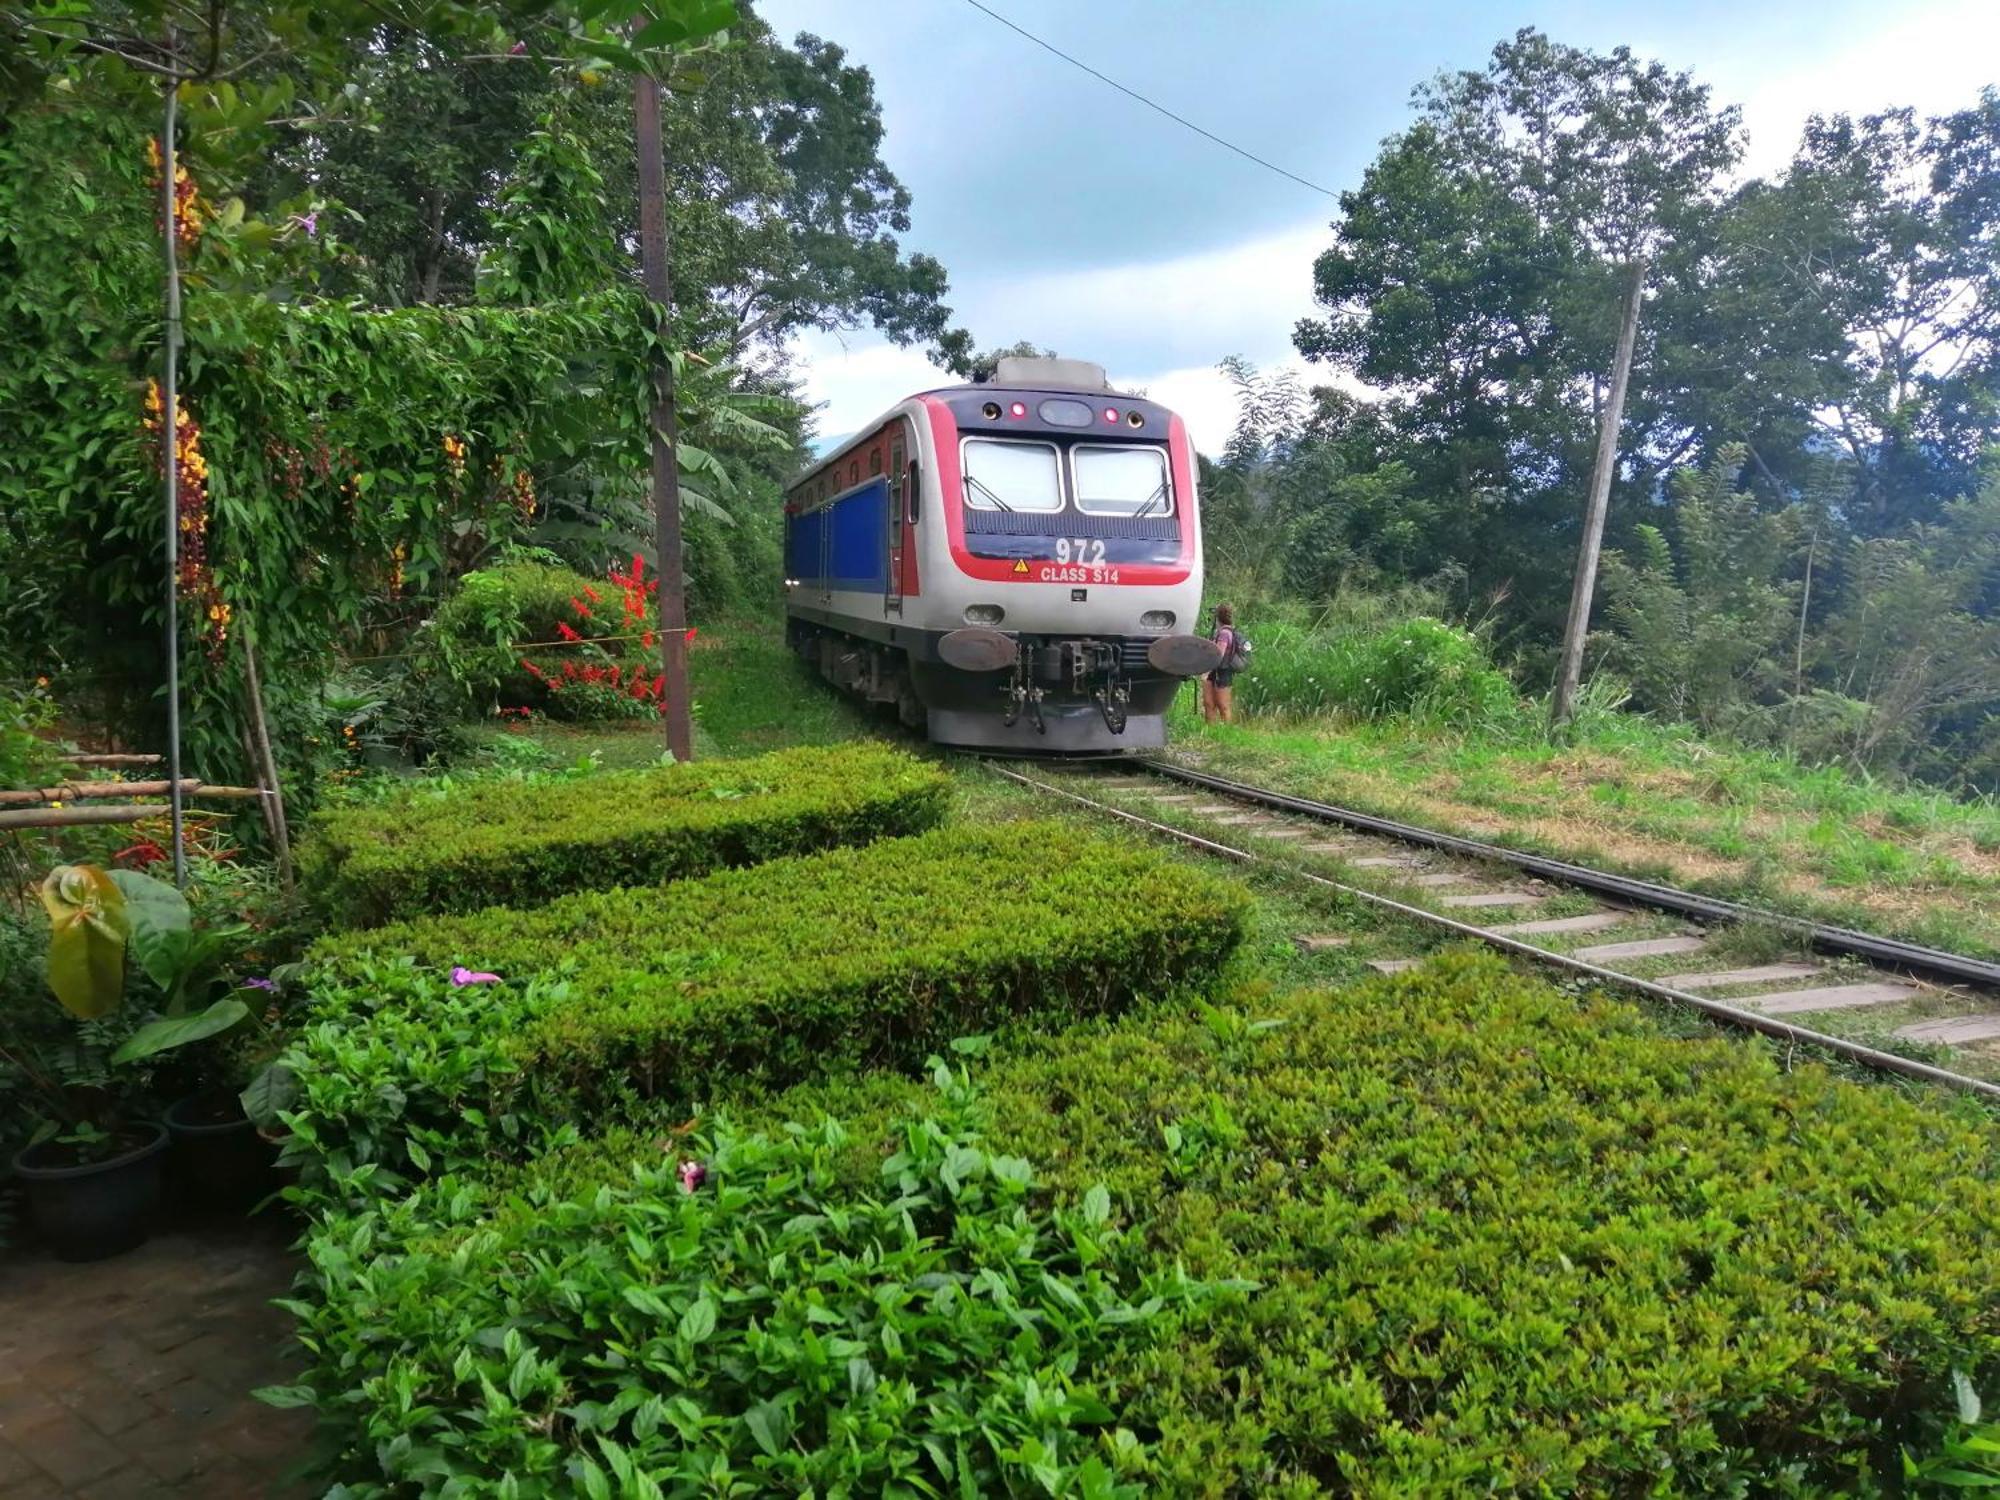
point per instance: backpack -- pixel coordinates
(1237, 657)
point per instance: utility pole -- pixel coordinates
(1569, 677)
(666, 462)
(170, 410)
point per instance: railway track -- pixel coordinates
(1657, 940)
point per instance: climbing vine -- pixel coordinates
(338, 463)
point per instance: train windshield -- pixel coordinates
(1121, 481)
(1012, 476)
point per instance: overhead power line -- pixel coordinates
(1156, 107)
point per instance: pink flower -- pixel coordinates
(462, 976)
(693, 1175)
(517, 49)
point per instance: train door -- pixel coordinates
(899, 478)
(826, 542)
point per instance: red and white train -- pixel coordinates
(1014, 565)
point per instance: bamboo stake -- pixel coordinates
(267, 766)
(84, 791)
(68, 817)
(112, 760)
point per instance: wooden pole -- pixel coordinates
(653, 251)
(112, 760)
(1569, 677)
(266, 765)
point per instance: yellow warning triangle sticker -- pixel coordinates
(1020, 565)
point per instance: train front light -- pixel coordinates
(1157, 619)
(984, 614)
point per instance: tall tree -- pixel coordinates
(1477, 273)
(1888, 225)
(783, 213)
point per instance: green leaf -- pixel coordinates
(771, 1425)
(87, 934)
(152, 909)
(584, 1469)
(1097, 1204)
(272, 1089)
(698, 1322)
(178, 1031)
(285, 1396)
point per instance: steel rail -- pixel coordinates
(1891, 952)
(1715, 1009)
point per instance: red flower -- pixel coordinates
(582, 609)
(566, 633)
(647, 639)
(690, 634)
(569, 670)
(592, 595)
(660, 685)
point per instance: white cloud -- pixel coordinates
(1158, 326)
(1934, 57)
(1162, 323)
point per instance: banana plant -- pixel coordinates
(102, 922)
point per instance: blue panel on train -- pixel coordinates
(859, 555)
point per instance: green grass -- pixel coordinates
(1655, 800)
(751, 694)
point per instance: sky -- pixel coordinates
(1073, 216)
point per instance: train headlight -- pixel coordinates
(1157, 619)
(984, 614)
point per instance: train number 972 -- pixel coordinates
(1088, 550)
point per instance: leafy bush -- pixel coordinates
(1512, 1242)
(27, 758)
(530, 635)
(873, 955)
(732, 1318)
(1420, 668)
(522, 842)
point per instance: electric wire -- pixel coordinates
(1154, 105)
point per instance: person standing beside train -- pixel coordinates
(1216, 686)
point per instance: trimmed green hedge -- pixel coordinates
(852, 957)
(520, 843)
(1506, 1242)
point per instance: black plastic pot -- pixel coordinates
(98, 1210)
(219, 1159)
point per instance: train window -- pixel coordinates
(854, 471)
(1121, 481)
(874, 460)
(1012, 476)
(912, 489)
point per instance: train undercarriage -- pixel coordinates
(1028, 694)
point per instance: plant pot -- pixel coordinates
(219, 1159)
(99, 1209)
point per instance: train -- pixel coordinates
(1013, 565)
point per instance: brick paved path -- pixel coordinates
(131, 1377)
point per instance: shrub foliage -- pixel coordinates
(1499, 1240)
(732, 1317)
(1513, 1243)
(519, 843)
(857, 956)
